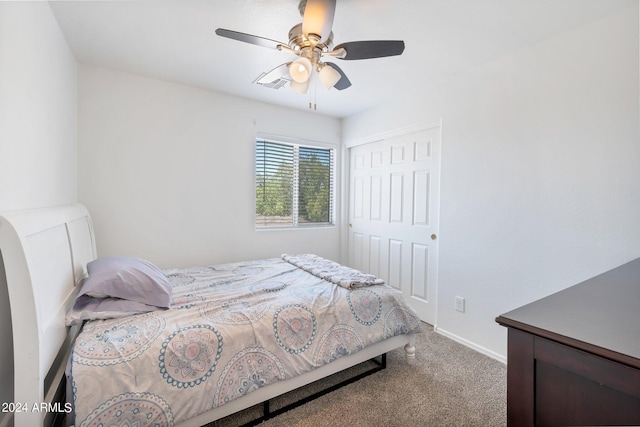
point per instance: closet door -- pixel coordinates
(393, 214)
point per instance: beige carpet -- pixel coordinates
(447, 385)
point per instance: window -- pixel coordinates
(294, 184)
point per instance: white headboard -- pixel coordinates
(45, 253)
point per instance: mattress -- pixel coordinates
(231, 329)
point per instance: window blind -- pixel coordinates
(294, 184)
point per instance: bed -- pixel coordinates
(296, 327)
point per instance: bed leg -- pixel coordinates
(410, 350)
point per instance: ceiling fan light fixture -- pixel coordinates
(328, 76)
(318, 18)
(300, 70)
(300, 87)
(312, 40)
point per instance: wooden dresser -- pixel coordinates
(574, 356)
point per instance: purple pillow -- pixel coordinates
(89, 308)
(127, 278)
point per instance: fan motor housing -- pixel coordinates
(298, 41)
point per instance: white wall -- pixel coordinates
(38, 109)
(540, 179)
(38, 129)
(167, 171)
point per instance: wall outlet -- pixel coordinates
(460, 304)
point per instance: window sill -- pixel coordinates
(294, 228)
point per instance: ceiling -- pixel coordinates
(176, 41)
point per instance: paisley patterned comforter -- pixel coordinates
(233, 328)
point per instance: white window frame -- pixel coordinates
(297, 143)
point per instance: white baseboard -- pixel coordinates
(472, 345)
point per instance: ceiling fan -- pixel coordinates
(312, 41)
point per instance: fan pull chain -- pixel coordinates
(312, 98)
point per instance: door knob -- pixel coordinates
(434, 237)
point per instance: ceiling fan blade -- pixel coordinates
(344, 82)
(249, 38)
(371, 49)
(318, 18)
(276, 78)
(281, 71)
